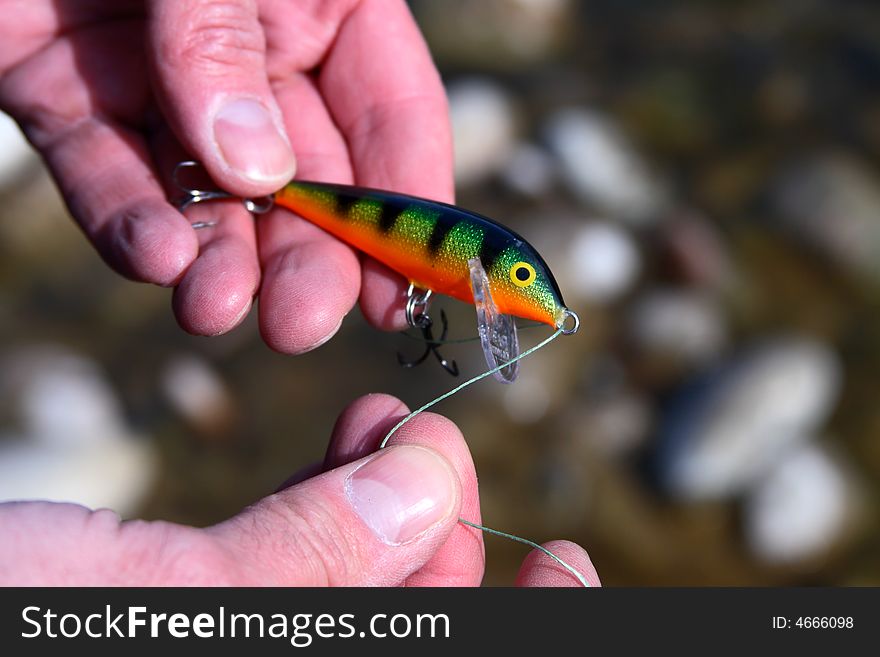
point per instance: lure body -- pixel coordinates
(430, 244)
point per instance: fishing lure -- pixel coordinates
(438, 248)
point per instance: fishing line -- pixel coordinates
(531, 544)
(460, 387)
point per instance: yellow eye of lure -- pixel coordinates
(522, 274)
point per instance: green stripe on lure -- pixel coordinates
(438, 248)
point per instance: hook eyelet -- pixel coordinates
(565, 317)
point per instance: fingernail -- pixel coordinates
(402, 492)
(251, 144)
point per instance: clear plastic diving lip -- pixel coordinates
(497, 331)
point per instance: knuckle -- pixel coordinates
(45, 117)
(216, 36)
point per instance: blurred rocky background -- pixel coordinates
(704, 180)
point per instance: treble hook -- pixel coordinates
(417, 317)
(192, 195)
(431, 346)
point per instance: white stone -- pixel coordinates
(833, 202)
(800, 509)
(71, 442)
(527, 399)
(61, 397)
(685, 324)
(601, 167)
(114, 475)
(16, 153)
(483, 128)
(602, 263)
(778, 395)
(196, 390)
(507, 35)
(529, 171)
(615, 426)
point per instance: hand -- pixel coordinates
(113, 93)
(371, 518)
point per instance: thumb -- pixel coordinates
(209, 68)
(372, 522)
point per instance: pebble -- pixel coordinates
(116, 475)
(685, 325)
(602, 263)
(68, 440)
(16, 154)
(529, 171)
(614, 426)
(60, 397)
(483, 128)
(728, 429)
(527, 400)
(799, 511)
(602, 168)
(497, 34)
(198, 393)
(833, 202)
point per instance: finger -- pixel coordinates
(217, 291)
(540, 570)
(103, 168)
(372, 522)
(362, 427)
(383, 296)
(310, 279)
(391, 109)
(310, 283)
(120, 205)
(393, 113)
(208, 60)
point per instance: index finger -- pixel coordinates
(386, 96)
